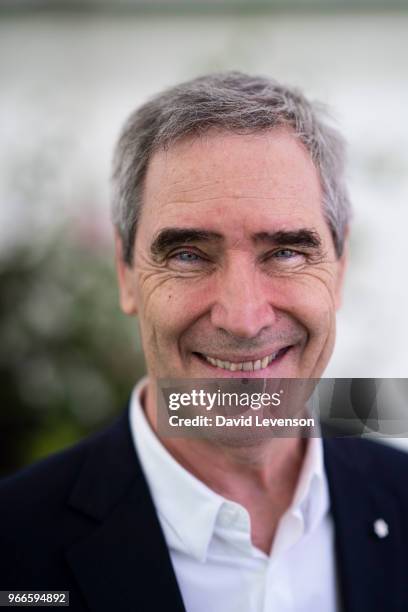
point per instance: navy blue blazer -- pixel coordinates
(83, 521)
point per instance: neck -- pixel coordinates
(261, 477)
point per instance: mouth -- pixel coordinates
(259, 364)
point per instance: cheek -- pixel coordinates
(310, 300)
(170, 306)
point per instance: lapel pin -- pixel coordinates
(381, 528)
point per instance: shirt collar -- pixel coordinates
(311, 494)
(188, 510)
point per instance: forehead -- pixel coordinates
(229, 177)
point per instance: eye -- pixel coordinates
(286, 254)
(186, 257)
(285, 257)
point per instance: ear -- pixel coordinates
(126, 280)
(341, 271)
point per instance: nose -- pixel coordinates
(241, 305)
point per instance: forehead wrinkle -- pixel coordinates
(217, 155)
(224, 198)
(263, 188)
(227, 191)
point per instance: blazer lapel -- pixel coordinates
(369, 552)
(122, 563)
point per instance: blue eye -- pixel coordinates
(285, 254)
(186, 256)
(285, 257)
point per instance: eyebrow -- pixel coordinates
(171, 237)
(303, 237)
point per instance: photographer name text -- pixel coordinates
(251, 420)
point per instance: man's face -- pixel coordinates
(235, 272)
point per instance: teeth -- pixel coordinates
(272, 357)
(246, 366)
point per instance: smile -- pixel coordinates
(245, 366)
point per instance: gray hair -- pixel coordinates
(234, 102)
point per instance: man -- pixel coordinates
(231, 218)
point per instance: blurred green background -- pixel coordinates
(68, 359)
(70, 72)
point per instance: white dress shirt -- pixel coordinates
(218, 568)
